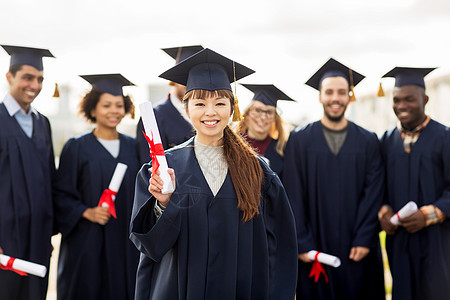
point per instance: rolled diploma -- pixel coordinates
(324, 258)
(150, 125)
(25, 266)
(404, 212)
(116, 180)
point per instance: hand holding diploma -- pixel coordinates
(153, 138)
(21, 267)
(109, 195)
(156, 186)
(409, 209)
(317, 267)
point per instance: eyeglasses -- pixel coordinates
(258, 112)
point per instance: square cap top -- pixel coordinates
(183, 52)
(27, 56)
(108, 83)
(333, 68)
(407, 75)
(206, 70)
(268, 94)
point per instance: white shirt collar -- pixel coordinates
(179, 106)
(13, 107)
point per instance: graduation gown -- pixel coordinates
(95, 261)
(335, 199)
(26, 209)
(275, 159)
(201, 249)
(419, 262)
(173, 128)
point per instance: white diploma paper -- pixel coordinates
(117, 177)
(150, 126)
(404, 212)
(25, 266)
(324, 258)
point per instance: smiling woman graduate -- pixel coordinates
(227, 231)
(262, 126)
(97, 260)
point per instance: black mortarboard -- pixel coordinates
(333, 68)
(181, 53)
(406, 76)
(267, 93)
(108, 83)
(206, 70)
(27, 56)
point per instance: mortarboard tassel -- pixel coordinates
(236, 112)
(352, 93)
(380, 92)
(56, 93)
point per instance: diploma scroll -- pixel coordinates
(404, 212)
(152, 131)
(109, 195)
(22, 266)
(324, 258)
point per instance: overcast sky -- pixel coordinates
(283, 41)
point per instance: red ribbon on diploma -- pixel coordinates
(107, 198)
(155, 149)
(9, 266)
(317, 269)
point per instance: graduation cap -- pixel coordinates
(333, 68)
(181, 53)
(267, 93)
(108, 83)
(27, 56)
(406, 75)
(208, 70)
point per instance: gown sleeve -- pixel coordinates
(443, 202)
(152, 237)
(282, 241)
(68, 203)
(366, 219)
(292, 180)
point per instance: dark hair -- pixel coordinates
(90, 100)
(243, 165)
(14, 69)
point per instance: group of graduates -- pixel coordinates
(252, 198)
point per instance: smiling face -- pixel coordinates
(334, 96)
(25, 85)
(209, 115)
(109, 111)
(260, 120)
(409, 105)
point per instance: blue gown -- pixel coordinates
(95, 261)
(201, 249)
(275, 159)
(26, 210)
(335, 199)
(419, 262)
(173, 128)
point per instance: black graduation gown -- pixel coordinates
(173, 128)
(419, 262)
(95, 261)
(275, 159)
(26, 210)
(335, 199)
(200, 248)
